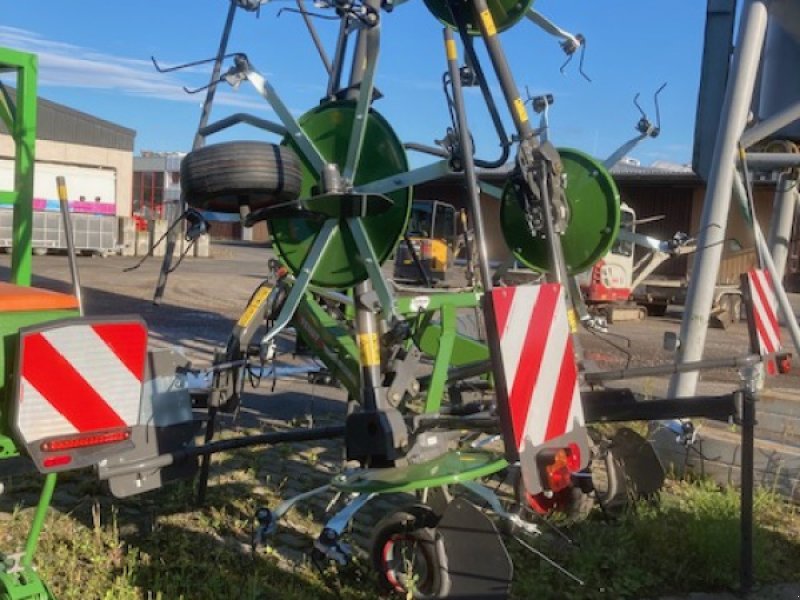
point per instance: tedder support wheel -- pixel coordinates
(329, 127)
(223, 177)
(407, 555)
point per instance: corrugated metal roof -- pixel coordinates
(626, 171)
(59, 123)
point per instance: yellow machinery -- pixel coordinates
(430, 243)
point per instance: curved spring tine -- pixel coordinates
(658, 110)
(194, 63)
(583, 56)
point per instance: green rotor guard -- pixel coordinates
(329, 127)
(505, 13)
(594, 216)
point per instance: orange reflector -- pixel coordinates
(85, 441)
(56, 461)
(558, 475)
(784, 361)
(574, 457)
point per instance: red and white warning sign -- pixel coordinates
(765, 314)
(540, 372)
(79, 378)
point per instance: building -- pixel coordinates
(95, 157)
(156, 183)
(671, 199)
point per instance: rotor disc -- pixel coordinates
(593, 201)
(329, 127)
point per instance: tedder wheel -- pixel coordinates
(505, 13)
(223, 177)
(329, 126)
(594, 216)
(405, 554)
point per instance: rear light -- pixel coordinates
(85, 441)
(557, 466)
(56, 461)
(784, 363)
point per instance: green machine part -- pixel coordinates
(504, 13)
(20, 121)
(594, 216)
(448, 469)
(331, 342)
(329, 127)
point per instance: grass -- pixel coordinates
(158, 546)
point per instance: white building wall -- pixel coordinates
(118, 161)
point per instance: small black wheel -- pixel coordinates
(405, 554)
(223, 177)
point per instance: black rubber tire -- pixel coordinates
(222, 177)
(414, 528)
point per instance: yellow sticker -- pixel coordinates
(519, 105)
(572, 317)
(252, 308)
(488, 23)
(369, 349)
(452, 50)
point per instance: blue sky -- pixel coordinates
(94, 56)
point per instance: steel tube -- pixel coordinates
(263, 439)
(772, 161)
(768, 126)
(746, 514)
(602, 409)
(63, 204)
(668, 369)
(713, 224)
(780, 227)
(467, 160)
(38, 518)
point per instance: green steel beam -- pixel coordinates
(22, 127)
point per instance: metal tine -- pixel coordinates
(204, 87)
(658, 109)
(583, 56)
(195, 63)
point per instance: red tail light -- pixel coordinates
(558, 465)
(784, 362)
(85, 441)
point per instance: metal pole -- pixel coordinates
(199, 141)
(780, 227)
(465, 141)
(713, 224)
(767, 127)
(772, 161)
(366, 319)
(63, 203)
(746, 514)
(315, 37)
(38, 519)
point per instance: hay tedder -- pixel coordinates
(336, 189)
